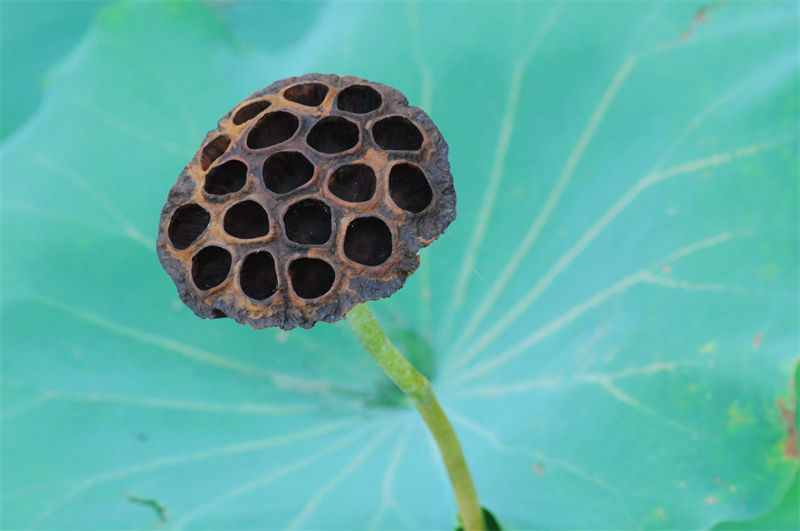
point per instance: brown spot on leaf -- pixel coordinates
(790, 450)
(538, 469)
(757, 340)
(700, 17)
(666, 269)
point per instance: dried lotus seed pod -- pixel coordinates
(312, 195)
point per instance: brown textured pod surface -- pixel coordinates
(312, 195)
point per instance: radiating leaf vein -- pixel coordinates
(165, 462)
(646, 182)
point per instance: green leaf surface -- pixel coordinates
(33, 37)
(785, 515)
(609, 321)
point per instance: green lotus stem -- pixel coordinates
(416, 386)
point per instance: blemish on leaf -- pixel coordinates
(666, 269)
(737, 416)
(141, 437)
(659, 514)
(757, 340)
(708, 348)
(769, 271)
(711, 500)
(538, 469)
(160, 510)
(700, 17)
(790, 449)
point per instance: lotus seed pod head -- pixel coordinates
(312, 195)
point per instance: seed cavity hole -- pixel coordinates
(187, 224)
(333, 134)
(257, 277)
(397, 133)
(311, 94)
(210, 267)
(226, 178)
(247, 219)
(358, 99)
(409, 189)
(354, 183)
(311, 277)
(273, 128)
(213, 150)
(250, 111)
(368, 241)
(286, 170)
(308, 222)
